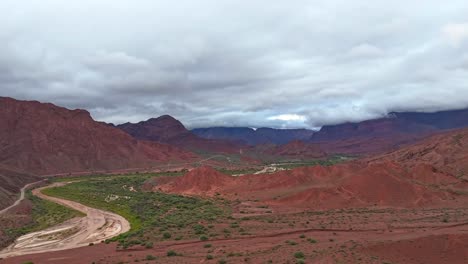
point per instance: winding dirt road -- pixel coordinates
(96, 226)
(21, 198)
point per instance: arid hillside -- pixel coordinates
(46, 139)
(446, 152)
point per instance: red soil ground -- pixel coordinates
(374, 237)
(434, 249)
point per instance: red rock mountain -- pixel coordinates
(43, 138)
(389, 133)
(166, 129)
(162, 129)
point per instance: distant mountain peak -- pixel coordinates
(262, 135)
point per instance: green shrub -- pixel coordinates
(299, 255)
(171, 253)
(150, 257)
(207, 246)
(199, 229)
(209, 256)
(149, 245)
(167, 235)
(203, 238)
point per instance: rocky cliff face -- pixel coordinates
(46, 139)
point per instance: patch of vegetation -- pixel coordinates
(291, 243)
(299, 255)
(153, 216)
(238, 172)
(105, 177)
(149, 245)
(326, 162)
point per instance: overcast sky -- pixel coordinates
(237, 63)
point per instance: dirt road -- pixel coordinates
(21, 198)
(96, 226)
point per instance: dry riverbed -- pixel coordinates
(95, 227)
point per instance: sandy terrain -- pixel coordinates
(97, 226)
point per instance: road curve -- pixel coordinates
(96, 226)
(21, 198)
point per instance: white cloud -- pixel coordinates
(456, 33)
(365, 51)
(288, 117)
(240, 63)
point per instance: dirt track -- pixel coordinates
(95, 227)
(21, 198)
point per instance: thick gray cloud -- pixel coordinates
(237, 63)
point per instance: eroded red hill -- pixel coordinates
(446, 152)
(430, 173)
(200, 181)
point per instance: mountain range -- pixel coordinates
(367, 137)
(42, 139)
(252, 136)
